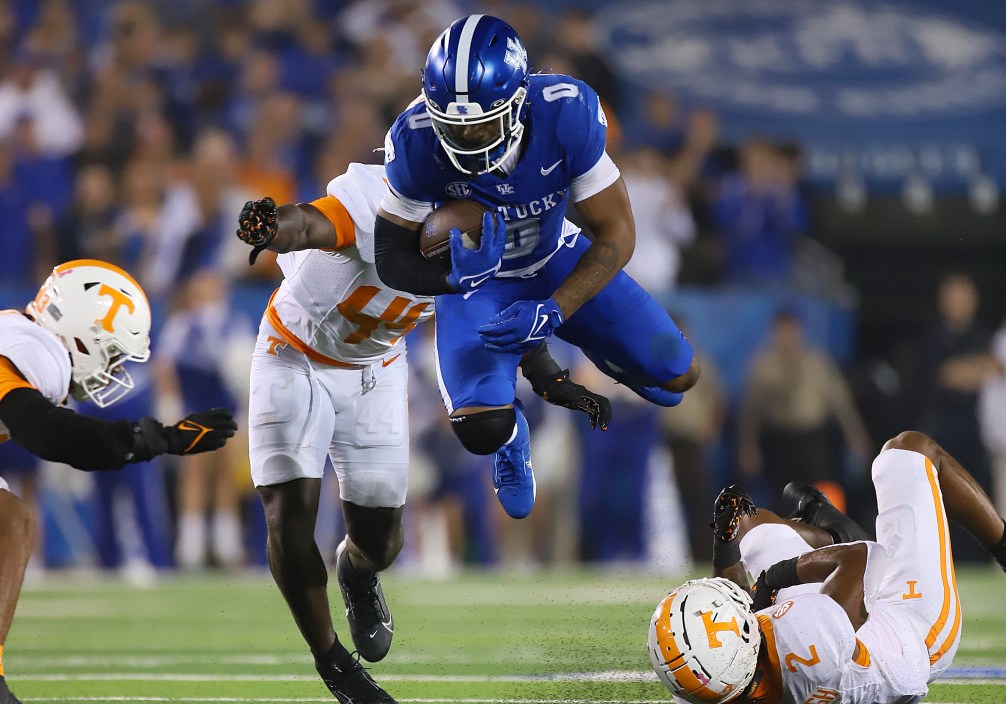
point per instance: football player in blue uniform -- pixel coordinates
(486, 129)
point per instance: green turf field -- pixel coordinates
(488, 637)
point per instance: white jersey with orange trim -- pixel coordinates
(808, 645)
(34, 358)
(814, 653)
(331, 305)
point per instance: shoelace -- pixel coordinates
(510, 475)
(351, 683)
(506, 477)
(370, 603)
(365, 673)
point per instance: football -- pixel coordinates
(466, 215)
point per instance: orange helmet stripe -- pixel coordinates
(670, 652)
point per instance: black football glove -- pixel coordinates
(560, 391)
(258, 225)
(204, 431)
(779, 576)
(732, 504)
(763, 596)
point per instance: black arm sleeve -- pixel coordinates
(400, 264)
(58, 434)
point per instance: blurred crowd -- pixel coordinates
(133, 131)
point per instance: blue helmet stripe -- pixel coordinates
(461, 68)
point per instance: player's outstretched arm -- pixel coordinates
(286, 228)
(842, 568)
(553, 384)
(608, 214)
(58, 434)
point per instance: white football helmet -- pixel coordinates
(102, 316)
(704, 641)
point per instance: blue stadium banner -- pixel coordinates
(886, 88)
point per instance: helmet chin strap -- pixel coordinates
(511, 156)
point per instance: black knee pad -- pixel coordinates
(484, 432)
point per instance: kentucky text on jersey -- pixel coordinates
(534, 208)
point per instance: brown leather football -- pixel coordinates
(434, 238)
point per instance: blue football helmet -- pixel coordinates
(475, 85)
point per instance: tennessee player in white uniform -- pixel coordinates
(86, 321)
(328, 378)
(333, 328)
(857, 623)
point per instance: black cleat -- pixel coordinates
(370, 621)
(810, 505)
(7, 696)
(351, 683)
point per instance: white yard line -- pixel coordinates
(614, 676)
(26, 658)
(610, 676)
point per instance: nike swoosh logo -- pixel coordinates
(479, 279)
(546, 172)
(542, 322)
(192, 426)
(387, 626)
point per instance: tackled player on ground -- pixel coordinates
(832, 617)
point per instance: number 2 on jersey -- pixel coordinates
(351, 308)
(793, 658)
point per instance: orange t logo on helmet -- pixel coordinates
(119, 299)
(713, 628)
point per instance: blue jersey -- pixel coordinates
(564, 138)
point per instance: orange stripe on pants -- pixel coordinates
(946, 573)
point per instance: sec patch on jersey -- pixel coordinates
(465, 215)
